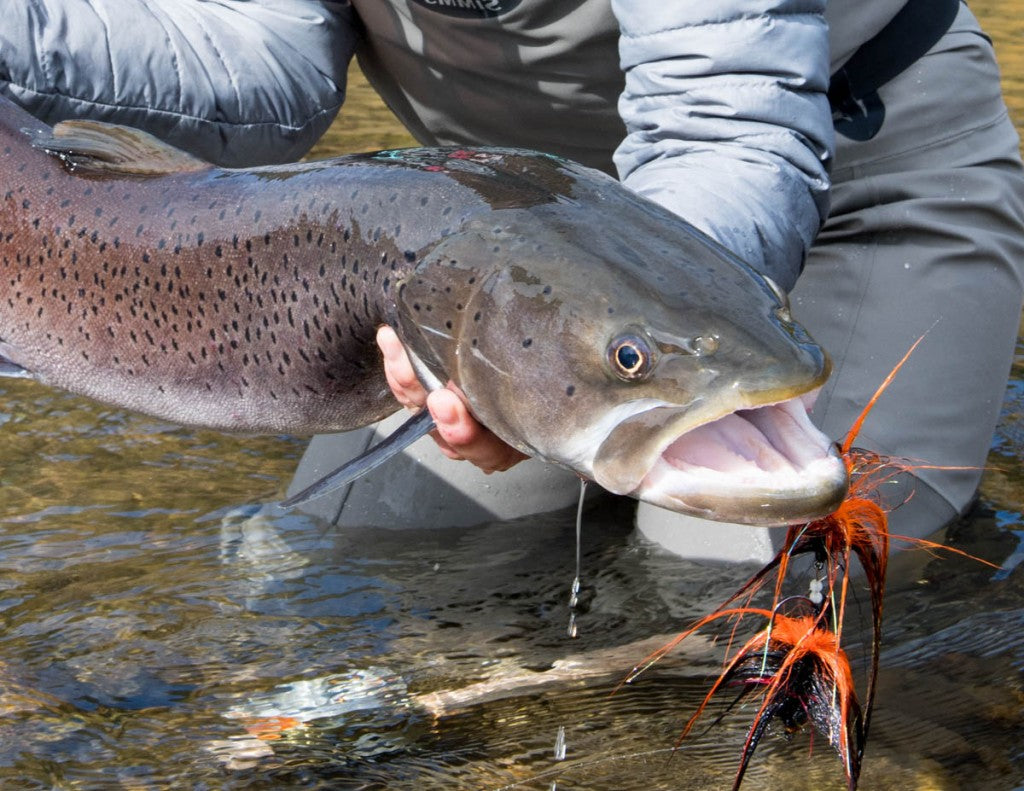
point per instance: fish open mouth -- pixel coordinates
(766, 465)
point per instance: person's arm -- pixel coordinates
(728, 124)
(236, 82)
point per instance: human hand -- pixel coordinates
(458, 433)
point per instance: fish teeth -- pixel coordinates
(778, 438)
(749, 465)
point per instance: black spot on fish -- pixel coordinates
(570, 390)
(527, 343)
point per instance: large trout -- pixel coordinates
(585, 325)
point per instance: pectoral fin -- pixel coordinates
(411, 430)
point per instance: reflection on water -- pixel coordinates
(160, 631)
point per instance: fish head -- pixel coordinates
(634, 350)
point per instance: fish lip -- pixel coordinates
(763, 465)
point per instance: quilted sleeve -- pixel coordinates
(237, 82)
(727, 120)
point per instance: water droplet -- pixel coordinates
(560, 744)
(574, 589)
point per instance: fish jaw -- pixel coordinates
(765, 465)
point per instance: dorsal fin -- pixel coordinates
(97, 148)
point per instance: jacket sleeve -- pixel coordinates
(237, 82)
(727, 120)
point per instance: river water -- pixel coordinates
(161, 630)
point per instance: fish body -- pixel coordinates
(242, 300)
(585, 324)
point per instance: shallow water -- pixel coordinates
(156, 621)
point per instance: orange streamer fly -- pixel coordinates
(795, 661)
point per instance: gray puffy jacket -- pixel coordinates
(726, 119)
(237, 82)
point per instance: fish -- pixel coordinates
(585, 324)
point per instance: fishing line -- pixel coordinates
(574, 590)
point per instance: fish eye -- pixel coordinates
(629, 357)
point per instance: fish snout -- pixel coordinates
(767, 465)
(763, 466)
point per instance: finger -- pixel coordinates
(398, 369)
(464, 437)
